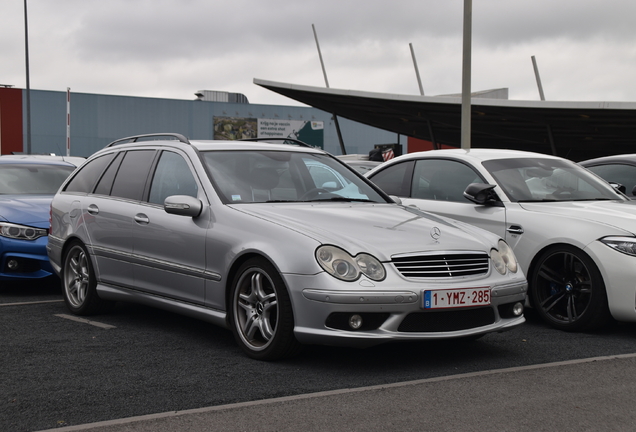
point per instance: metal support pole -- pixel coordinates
(28, 84)
(430, 131)
(536, 74)
(417, 71)
(466, 74)
(324, 72)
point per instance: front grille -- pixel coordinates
(442, 266)
(447, 320)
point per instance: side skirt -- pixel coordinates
(214, 316)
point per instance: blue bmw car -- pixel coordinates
(27, 186)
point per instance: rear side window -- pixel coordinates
(105, 184)
(132, 175)
(617, 173)
(85, 179)
(395, 179)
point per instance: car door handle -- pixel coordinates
(141, 218)
(92, 209)
(515, 229)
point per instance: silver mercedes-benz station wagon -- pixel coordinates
(283, 244)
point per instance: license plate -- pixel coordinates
(454, 298)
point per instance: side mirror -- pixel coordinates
(183, 205)
(481, 193)
(619, 187)
(397, 200)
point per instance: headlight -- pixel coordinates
(626, 245)
(508, 256)
(341, 265)
(21, 232)
(503, 258)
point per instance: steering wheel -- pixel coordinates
(313, 192)
(562, 193)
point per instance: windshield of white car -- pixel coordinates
(32, 179)
(242, 176)
(541, 180)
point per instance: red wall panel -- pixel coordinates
(11, 139)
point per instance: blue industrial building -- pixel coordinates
(96, 120)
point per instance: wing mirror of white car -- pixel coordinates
(183, 205)
(619, 187)
(395, 199)
(481, 193)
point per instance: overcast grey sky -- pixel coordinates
(585, 49)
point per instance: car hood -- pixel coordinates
(32, 210)
(380, 229)
(618, 214)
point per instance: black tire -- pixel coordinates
(261, 315)
(567, 290)
(79, 282)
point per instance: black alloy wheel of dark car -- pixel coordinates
(79, 282)
(261, 315)
(567, 290)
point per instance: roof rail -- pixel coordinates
(285, 141)
(137, 138)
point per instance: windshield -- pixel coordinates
(20, 179)
(275, 176)
(537, 179)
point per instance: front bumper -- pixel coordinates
(322, 312)
(24, 259)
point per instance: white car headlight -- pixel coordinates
(508, 256)
(503, 258)
(21, 232)
(341, 265)
(626, 245)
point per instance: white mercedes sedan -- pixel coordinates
(573, 234)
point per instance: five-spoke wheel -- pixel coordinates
(78, 282)
(261, 314)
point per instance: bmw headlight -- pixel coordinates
(21, 232)
(503, 258)
(626, 245)
(341, 265)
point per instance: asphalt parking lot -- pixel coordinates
(137, 361)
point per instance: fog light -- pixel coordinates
(13, 264)
(355, 321)
(517, 309)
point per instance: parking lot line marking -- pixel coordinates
(30, 303)
(85, 321)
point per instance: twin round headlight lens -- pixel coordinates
(503, 258)
(341, 265)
